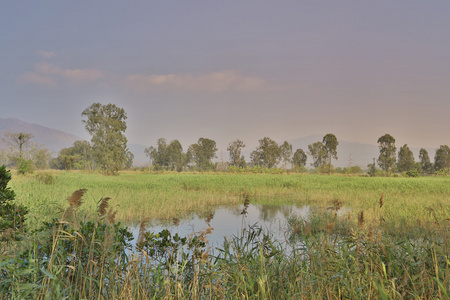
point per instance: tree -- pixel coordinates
(158, 156)
(286, 153)
(299, 159)
(319, 154)
(79, 157)
(330, 142)
(405, 159)
(41, 157)
(175, 156)
(425, 161)
(106, 124)
(387, 157)
(442, 158)
(236, 159)
(202, 153)
(17, 141)
(267, 154)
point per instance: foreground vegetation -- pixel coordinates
(395, 243)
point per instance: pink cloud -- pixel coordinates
(30, 77)
(215, 82)
(46, 54)
(49, 74)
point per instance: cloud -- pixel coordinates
(46, 54)
(215, 82)
(30, 77)
(49, 74)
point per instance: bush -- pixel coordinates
(45, 178)
(412, 173)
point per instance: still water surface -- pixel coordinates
(228, 222)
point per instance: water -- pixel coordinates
(229, 222)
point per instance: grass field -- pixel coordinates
(164, 196)
(395, 243)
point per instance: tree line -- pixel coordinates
(108, 152)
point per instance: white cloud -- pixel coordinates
(46, 54)
(215, 82)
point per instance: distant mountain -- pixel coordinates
(53, 139)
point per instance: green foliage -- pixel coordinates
(319, 154)
(236, 159)
(106, 124)
(387, 157)
(268, 154)
(77, 157)
(12, 216)
(405, 159)
(330, 143)
(202, 154)
(167, 157)
(442, 158)
(286, 153)
(45, 178)
(426, 165)
(299, 159)
(24, 166)
(412, 173)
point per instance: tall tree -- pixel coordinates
(425, 161)
(159, 156)
(387, 157)
(442, 158)
(202, 153)
(319, 154)
(175, 156)
(405, 159)
(299, 159)
(234, 148)
(330, 142)
(17, 141)
(267, 154)
(286, 153)
(106, 124)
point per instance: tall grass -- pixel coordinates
(332, 256)
(165, 196)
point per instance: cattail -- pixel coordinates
(381, 200)
(75, 200)
(103, 206)
(349, 217)
(307, 229)
(361, 219)
(370, 235)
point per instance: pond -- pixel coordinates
(229, 221)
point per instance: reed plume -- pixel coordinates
(142, 230)
(103, 206)
(75, 200)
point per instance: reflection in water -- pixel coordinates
(228, 222)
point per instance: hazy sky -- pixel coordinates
(232, 69)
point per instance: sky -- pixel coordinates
(232, 69)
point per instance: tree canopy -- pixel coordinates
(405, 159)
(267, 154)
(387, 157)
(106, 124)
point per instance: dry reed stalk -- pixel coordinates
(142, 230)
(103, 206)
(176, 221)
(111, 216)
(361, 219)
(381, 200)
(329, 227)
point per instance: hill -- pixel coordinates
(53, 139)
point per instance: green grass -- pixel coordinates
(164, 196)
